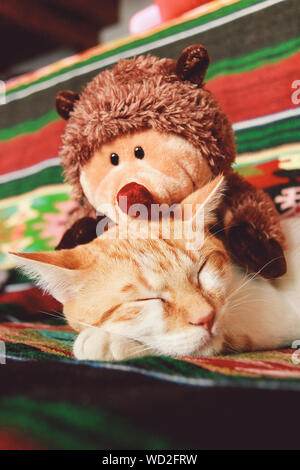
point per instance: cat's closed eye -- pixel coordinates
(151, 298)
(202, 267)
(213, 271)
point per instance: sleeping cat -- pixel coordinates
(132, 297)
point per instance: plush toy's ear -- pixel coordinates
(193, 63)
(65, 101)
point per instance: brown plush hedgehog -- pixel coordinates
(149, 130)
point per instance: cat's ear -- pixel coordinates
(201, 204)
(57, 272)
(208, 197)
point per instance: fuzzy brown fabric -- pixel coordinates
(192, 64)
(82, 231)
(245, 201)
(65, 102)
(168, 96)
(252, 225)
(138, 94)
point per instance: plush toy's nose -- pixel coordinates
(133, 194)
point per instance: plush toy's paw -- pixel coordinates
(94, 344)
(82, 231)
(252, 250)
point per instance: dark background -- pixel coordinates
(31, 28)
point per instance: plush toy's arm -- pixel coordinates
(252, 228)
(80, 228)
(81, 232)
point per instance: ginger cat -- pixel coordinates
(132, 297)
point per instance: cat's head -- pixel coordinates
(153, 290)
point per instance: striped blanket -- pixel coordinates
(47, 399)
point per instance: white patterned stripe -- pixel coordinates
(30, 170)
(263, 120)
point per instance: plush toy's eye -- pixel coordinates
(114, 158)
(139, 152)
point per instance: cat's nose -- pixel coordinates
(205, 321)
(135, 194)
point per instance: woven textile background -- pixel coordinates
(255, 51)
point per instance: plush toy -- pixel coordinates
(149, 130)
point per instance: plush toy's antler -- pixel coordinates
(193, 63)
(65, 101)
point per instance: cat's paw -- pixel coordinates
(94, 344)
(252, 250)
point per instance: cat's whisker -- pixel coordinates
(213, 234)
(145, 348)
(238, 305)
(54, 314)
(240, 298)
(88, 325)
(140, 349)
(252, 277)
(244, 297)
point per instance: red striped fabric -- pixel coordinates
(262, 91)
(243, 96)
(30, 149)
(14, 440)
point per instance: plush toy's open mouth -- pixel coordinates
(135, 200)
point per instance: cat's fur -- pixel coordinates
(133, 297)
